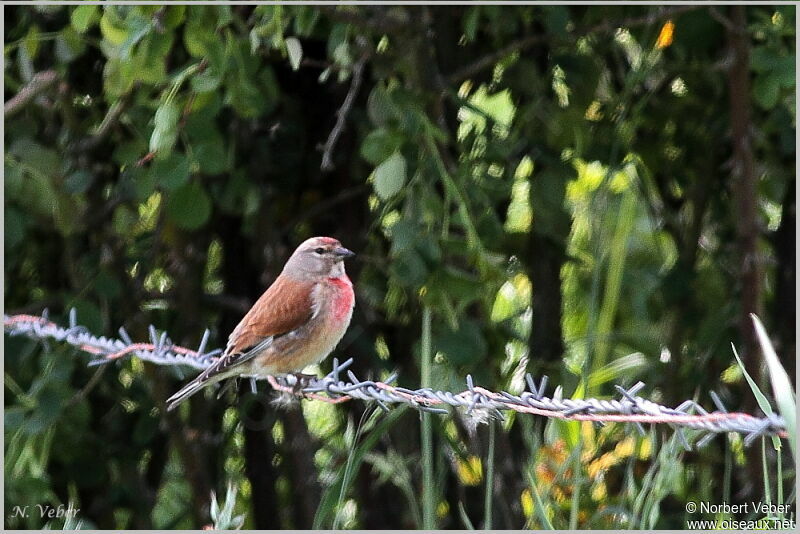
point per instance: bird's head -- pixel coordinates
(318, 257)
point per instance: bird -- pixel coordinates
(297, 322)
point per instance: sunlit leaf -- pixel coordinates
(781, 385)
(83, 17)
(390, 176)
(295, 51)
(165, 133)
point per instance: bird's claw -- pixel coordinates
(301, 382)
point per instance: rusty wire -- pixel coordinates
(628, 408)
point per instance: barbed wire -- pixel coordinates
(628, 408)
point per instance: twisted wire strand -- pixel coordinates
(628, 408)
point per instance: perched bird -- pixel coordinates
(296, 322)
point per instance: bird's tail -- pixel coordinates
(191, 388)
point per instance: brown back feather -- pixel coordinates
(285, 306)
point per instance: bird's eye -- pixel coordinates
(319, 250)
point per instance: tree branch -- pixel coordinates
(41, 82)
(343, 112)
(382, 20)
(744, 186)
(109, 121)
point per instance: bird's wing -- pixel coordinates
(285, 306)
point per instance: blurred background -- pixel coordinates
(597, 194)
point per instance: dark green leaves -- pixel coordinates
(14, 226)
(78, 182)
(31, 170)
(189, 206)
(172, 171)
(775, 71)
(380, 144)
(462, 346)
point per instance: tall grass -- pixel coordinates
(487, 505)
(370, 430)
(428, 489)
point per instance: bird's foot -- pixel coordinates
(301, 382)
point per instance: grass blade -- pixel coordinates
(781, 386)
(428, 490)
(487, 505)
(761, 399)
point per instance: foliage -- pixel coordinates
(550, 186)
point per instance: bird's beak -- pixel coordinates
(343, 253)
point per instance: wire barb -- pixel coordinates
(629, 408)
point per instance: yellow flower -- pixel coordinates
(442, 509)
(625, 447)
(469, 471)
(666, 34)
(526, 499)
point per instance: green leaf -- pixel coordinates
(781, 385)
(189, 206)
(165, 133)
(123, 220)
(14, 226)
(173, 17)
(624, 366)
(295, 51)
(172, 171)
(205, 82)
(379, 145)
(463, 346)
(512, 299)
(305, 20)
(786, 71)
(556, 20)
(38, 195)
(390, 176)
(78, 182)
(14, 179)
(762, 401)
(197, 40)
(409, 269)
(68, 213)
(211, 157)
(471, 20)
(766, 90)
(50, 401)
(113, 27)
(83, 17)
(380, 107)
(69, 45)
(43, 160)
(138, 28)
(148, 60)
